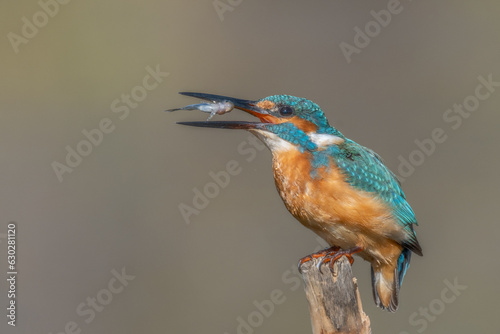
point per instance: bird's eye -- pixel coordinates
(286, 111)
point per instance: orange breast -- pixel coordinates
(332, 208)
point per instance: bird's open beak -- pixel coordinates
(245, 105)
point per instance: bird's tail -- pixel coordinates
(387, 279)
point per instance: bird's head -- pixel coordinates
(284, 121)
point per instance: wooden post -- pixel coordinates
(334, 301)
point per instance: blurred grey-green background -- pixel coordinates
(70, 68)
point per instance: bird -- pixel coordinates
(334, 186)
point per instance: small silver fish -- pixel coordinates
(214, 108)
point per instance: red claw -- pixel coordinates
(331, 255)
(319, 254)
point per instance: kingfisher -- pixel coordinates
(339, 189)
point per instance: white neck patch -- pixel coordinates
(277, 144)
(273, 142)
(324, 139)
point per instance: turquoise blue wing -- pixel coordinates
(365, 170)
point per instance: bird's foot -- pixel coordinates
(333, 256)
(319, 254)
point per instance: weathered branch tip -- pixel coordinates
(334, 301)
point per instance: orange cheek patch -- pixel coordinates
(267, 105)
(302, 124)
